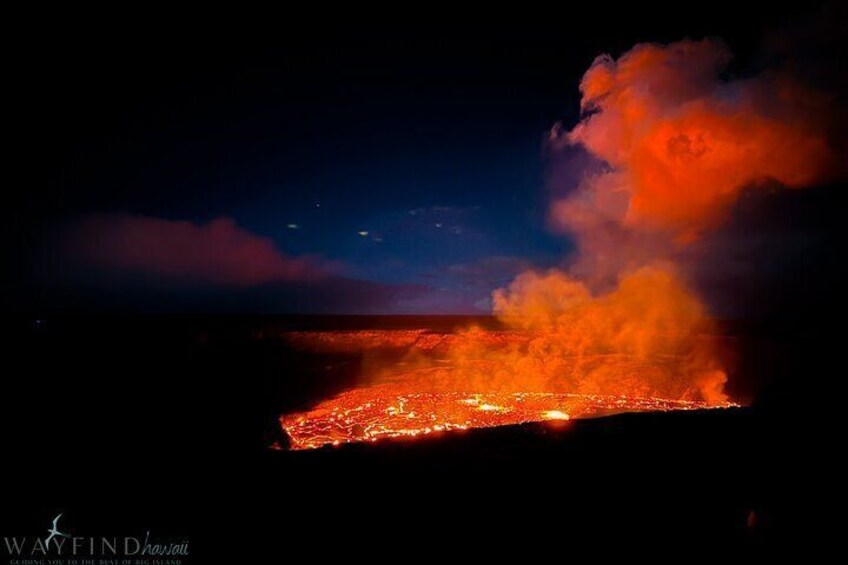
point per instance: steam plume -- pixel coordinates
(674, 146)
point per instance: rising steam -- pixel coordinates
(674, 146)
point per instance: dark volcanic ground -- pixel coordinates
(163, 424)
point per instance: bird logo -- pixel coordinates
(54, 531)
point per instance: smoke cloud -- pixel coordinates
(672, 146)
(676, 145)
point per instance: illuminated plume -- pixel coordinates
(680, 144)
(675, 146)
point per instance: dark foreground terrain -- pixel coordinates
(162, 424)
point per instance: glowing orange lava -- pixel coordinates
(393, 411)
(566, 353)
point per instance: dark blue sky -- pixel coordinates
(426, 134)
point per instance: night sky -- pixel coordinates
(368, 165)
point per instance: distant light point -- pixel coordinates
(363, 233)
(293, 226)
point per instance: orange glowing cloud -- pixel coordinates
(646, 337)
(681, 143)
(676, 145)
